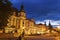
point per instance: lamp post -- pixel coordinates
(22, 35)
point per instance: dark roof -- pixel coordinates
(40, 24)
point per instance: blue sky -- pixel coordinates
(40, 10)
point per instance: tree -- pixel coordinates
(5, 11)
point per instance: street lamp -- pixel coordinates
(22, 35)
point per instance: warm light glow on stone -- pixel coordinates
(58, 27)
(48, 31)
(38, 32)
(20, 23)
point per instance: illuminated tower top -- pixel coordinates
(22, 8)
(22, 13)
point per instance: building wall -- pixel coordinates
(12, 21)
(22, 23)
(1, 31)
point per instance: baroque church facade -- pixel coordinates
(18, 24)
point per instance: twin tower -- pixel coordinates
(16, 21)
(20, 21)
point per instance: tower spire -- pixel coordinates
(22, 12)
(49, 23)
(45, 23)
(22, 7)
(50, 26)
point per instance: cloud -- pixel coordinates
(53, 22)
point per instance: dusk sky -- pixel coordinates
(41, 10)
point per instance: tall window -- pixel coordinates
(23, 23)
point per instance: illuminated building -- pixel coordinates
(17, 23)
(42, 28)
